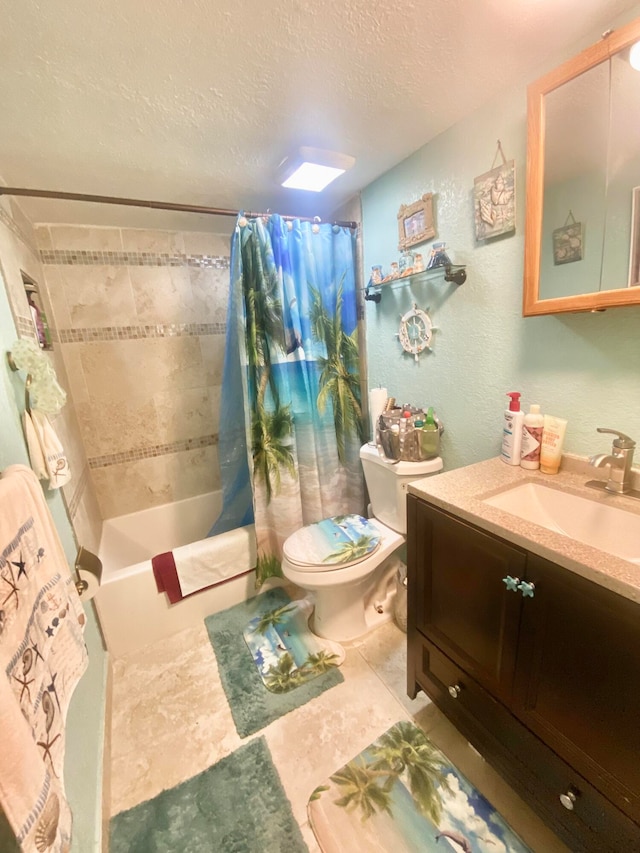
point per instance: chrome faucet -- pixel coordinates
(620, 461)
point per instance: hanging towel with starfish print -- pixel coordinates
(55, 459)
(42, 656)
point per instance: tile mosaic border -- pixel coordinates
(81, 257)
(111, 459)
(134, 333)
(24, 327)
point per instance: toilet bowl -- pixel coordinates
(348, 563)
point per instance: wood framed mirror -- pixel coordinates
(583, 167)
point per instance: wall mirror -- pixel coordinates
(582, 233)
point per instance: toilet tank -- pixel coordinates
(387, 484)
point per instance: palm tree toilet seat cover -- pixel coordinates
(337, 542)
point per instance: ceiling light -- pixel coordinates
(313, 169)
(634, 56)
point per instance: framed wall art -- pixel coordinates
(494, 199)
(567, 242)
(415, 222)
(634, 254)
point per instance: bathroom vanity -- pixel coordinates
(529, 642)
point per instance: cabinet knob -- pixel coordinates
(527, 589)
(512, 584)
(568, 799)
(454, 691)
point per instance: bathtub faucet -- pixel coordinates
(620, 461)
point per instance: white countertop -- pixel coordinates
(462, 491)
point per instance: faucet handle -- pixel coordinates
(623, 442)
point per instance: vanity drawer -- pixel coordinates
(541, 778)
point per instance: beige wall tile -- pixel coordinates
(86, 238)
(116, 426)
(155, 242)
(144, 483)
(56, 293)
(43, 237)
(135, 369)
(216, 397)
(195, 472)
(185, 414)
(98, 296)
(87, 520)
(212, 350)
(203, 243)
(210, 289)
(163, 295)
(77, 387)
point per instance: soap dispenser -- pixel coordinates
(512, 430)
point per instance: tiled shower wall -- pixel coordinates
(141, 316)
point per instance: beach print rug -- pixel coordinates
(236, 806)
(402, 794)
(253, 706)
(285, 652)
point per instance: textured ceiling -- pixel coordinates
(197, 102)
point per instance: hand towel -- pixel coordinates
(55, 459)
(42, 656)
(33, 446)
(202, 564)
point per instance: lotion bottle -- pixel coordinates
(532, 426)
(512, 431)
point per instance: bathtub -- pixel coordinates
(131, 611)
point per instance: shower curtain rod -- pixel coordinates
(156, 205)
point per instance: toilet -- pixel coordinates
(348, 562)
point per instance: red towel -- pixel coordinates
(164, 571)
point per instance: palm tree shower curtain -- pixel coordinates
(289, 448)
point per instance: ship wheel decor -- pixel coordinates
(416, 331)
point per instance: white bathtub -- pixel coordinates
(132, 612)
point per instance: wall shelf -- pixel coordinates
(451, 272)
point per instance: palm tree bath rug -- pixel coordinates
(236, 806)
(285, 652)
(252, 705)
(402, 794)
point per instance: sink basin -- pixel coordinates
(607, 528)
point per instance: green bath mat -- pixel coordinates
(402, 794)
(236, 806)
(253, 706)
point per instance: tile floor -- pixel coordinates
(171, 720)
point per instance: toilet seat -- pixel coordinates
(333, 543)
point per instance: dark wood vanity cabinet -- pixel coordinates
(543, 680)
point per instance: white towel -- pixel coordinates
(218, 558)
(42, 656)
(33, 446)
(55, 459)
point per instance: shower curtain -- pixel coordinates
(291, 417)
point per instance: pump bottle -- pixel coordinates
(512, 430)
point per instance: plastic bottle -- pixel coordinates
(532, 425)
(512, 431)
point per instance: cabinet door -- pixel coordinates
(457, 596)
(578, 678)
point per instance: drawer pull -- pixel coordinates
(527, 589)
(454, 691)
(512, 584)
(568, 800)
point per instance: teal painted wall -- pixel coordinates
(86, 718)
(582, 367)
